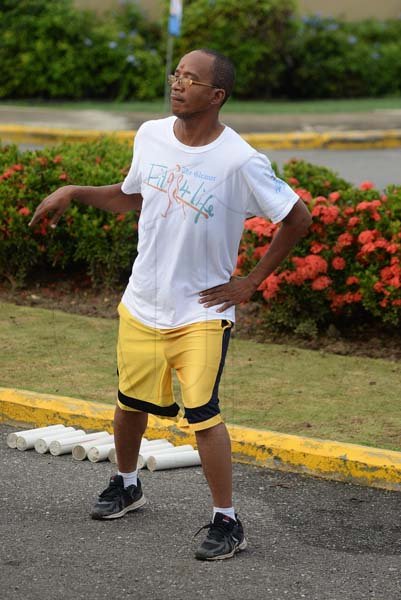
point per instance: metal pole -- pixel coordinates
(169, 61)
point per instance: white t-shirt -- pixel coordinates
(195, 202)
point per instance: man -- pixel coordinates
(195, 182)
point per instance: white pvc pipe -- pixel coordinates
(43, 443)
(26, 441)
(80, 451)
(173, 460)
(65, 446)
(112, 456)
(12, 437)
(152, 446)
(161, 442)
(99, 453)
(145, 455)
(162, 445)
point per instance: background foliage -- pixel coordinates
(346, 271)
(99, 244)
(255, 35)
(53, 50)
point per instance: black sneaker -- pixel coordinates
(116, 500)
(224, 539)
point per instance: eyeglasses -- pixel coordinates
(186, 82)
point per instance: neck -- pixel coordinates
(198, 130)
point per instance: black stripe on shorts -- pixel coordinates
(148, 407)
(211, 408)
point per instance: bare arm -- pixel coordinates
(240, 289)
(106, 197)
(294, 226)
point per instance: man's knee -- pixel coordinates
(134, 418)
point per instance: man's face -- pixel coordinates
(188, 101)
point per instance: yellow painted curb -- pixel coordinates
(333, 140)
(25, 134)
(330, 140)
(362, 465)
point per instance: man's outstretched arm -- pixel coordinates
(106, 197)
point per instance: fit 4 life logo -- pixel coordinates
(184, 187)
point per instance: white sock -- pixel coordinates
(129, 478)
(230, 512)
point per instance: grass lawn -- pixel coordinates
(234, 106)
(266, 386)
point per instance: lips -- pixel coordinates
(175, 98)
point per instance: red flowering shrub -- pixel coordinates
(348, 268)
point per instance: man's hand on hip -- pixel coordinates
(237, 290)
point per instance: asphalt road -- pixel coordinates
(308, 538)
(383, 167)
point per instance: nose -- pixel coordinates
(177, 86)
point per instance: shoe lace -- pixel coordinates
(219, 531)
(110, 492)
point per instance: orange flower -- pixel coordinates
(270, 286)
(334, 196)
(260, 226)
(343, 240)
(240, 261)
(338, 263)
(327, 214)
(367, 236)
(391, 276)
(317, 247)
(304, 195)
(392, 248)
(352, 280)
(366, 185)
(321, 283)
(24, 211)
(353, 221)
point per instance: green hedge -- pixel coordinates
(335, 59)
(255, 34)
(100, 244)
(53, 50)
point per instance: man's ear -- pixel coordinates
(218, 97)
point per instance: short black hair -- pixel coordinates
(223, 75)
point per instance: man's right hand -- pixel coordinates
(57, 203)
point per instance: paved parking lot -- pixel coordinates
(308, 538)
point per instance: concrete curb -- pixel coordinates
(351, 463)
(333, 140)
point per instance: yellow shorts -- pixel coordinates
(146, 357)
